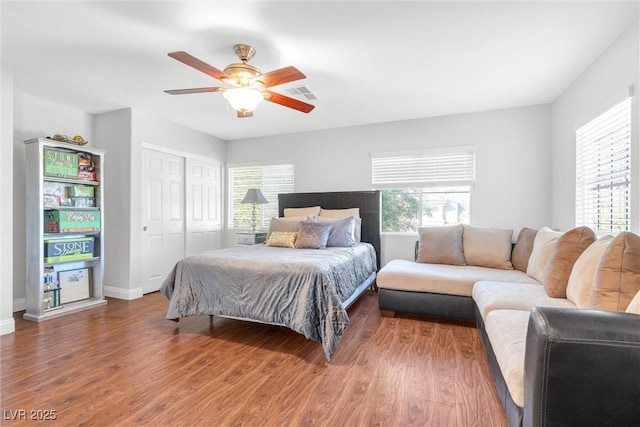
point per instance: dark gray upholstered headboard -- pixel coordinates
(367, 201)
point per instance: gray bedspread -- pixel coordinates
(302, 289)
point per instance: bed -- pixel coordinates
(306, 290)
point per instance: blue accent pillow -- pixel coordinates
(313, 235)
(343, 231)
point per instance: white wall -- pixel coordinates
(35, 117)
(601, 86)
(512, 162)
(7, 324)
(113, 134)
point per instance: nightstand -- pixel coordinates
(250, 238)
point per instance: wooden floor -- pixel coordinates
(124, 364)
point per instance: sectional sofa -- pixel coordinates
(558, 314)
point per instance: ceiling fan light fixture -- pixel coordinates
(243, 98)
(249, 85)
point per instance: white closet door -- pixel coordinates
(203, 210)
(162, 216)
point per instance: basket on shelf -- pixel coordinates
(77, 140)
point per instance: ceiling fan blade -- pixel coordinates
(194, 62)
(194, 90)
(280, 76)
(287, 102)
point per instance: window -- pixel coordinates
(424, 188)
(406, 209)
(603, 171)
(270, 179)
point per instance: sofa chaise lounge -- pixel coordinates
(550, 312)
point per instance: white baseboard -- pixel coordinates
(109, 291)
(7, 326)
(120, 293)
(19, 304)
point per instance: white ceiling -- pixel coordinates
(367, 62)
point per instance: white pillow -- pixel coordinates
(543, 245)
(583, 272)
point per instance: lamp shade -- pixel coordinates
(242, 98)
(254, 195)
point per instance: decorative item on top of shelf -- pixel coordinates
(86, 167)
(77, 140)
(71, 221)
(71, 249)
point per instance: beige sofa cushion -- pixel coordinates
(543, 245)
(406, 275)
(634, 305)
(522, 249)
(566, 251)
(617, 279)
(507, 331)
(487, 247)
(493, 295)
(584, 270)
(441, 245)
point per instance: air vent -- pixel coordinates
(302, 91)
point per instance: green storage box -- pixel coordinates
(71, 221)
(80, 191)
(60, 163)
(63, 250)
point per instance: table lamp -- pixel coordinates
(255, 197)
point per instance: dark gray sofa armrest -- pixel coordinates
(582, 367)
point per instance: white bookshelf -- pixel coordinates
(80, 280)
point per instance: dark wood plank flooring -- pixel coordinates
(124, 364)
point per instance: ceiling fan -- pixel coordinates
(248, 86)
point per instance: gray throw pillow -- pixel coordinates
(312, 235)
(342, 233)
(441, 245)
(281, 224)
(523, 248)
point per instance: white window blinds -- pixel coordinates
(270, 179)
(603, 171)
(432, 168)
